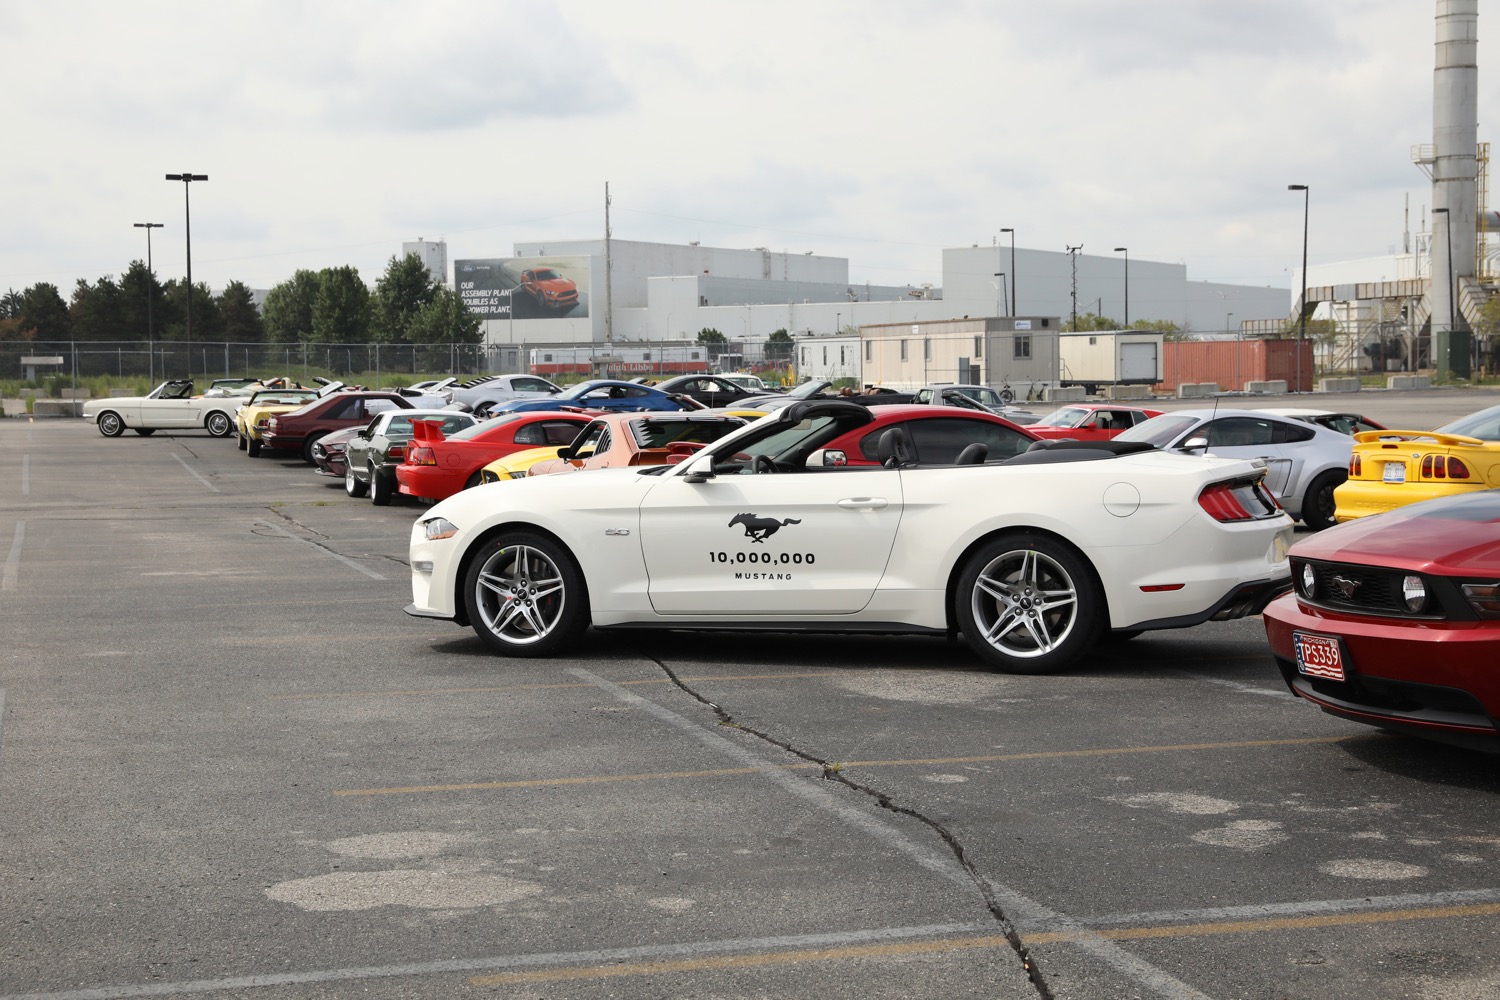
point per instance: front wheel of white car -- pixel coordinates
(1028, 604)
(525, 595)
(110, 424)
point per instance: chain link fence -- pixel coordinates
(155, 361)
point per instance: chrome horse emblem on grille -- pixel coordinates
(1344, 586)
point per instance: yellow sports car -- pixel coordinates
(514, 465)
(1391, 468)
(254, 413)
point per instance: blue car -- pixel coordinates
(599, 394)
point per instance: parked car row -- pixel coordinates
(1034, 542)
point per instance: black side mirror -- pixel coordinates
(702, 472)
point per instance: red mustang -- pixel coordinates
(1395, 620)
(1090, 421)
(437, 467)
(935, 435)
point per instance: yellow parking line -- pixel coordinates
(841, 765)
(1272, 924)
(739, 961)
(418, 692)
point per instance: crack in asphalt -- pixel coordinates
(277, 511)
(831, 772)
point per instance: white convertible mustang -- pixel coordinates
(780, 526)
(170, 406)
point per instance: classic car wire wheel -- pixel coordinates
(1032, 605)
(520, 594)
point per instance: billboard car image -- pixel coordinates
(525, 287)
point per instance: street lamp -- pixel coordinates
(1302, 303)
(150, 287)
(187, 217)
(1000, 290)
(1010, 308)
(1126, 252)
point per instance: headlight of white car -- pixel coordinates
(438, 528)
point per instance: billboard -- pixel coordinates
(524, 287)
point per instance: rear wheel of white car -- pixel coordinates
(380, 488)
(1318, 504)
(145, 432)
(1028, 604)
(217, 424)
(110, 424)
(525, 595)
(353, 486)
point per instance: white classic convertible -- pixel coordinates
(170, 406)
(785, 526)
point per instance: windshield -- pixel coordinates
(1160, 431)
(808, 389)
(1067, 416)
(1484, 425)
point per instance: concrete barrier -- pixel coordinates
(1408, 381)
(1339, 384)
(1064, 394)
(1275, 387)
(1196, 390)
(75, 394)
(1127, 392)
(57, 408)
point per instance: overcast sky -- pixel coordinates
(877, 130)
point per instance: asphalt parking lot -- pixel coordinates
(231, 766)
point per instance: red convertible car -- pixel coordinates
(936, 435)
(1090, 421)
(437, 467)
(1395, 620)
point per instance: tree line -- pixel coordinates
(331, 306)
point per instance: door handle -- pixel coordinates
(864, 503)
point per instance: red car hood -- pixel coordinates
(1452, 536)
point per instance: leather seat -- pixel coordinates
(893, 449)
(973, 454)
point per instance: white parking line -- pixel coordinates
(343, 559)
(12, 569)
(1018, 908)
(544, 960)
(193, 472)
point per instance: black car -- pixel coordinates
(710, 390)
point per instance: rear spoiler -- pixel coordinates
(427, 431)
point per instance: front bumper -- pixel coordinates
(1437, 679)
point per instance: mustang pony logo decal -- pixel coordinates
(758, 529)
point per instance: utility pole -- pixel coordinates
(1073, 252)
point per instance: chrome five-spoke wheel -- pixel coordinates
(525, 596)
(1028, 604)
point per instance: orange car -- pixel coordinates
(619, 439)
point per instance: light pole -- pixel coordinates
(1010, 308)
(150, 288)
(187, 218)
(1126, 252)
(838, 323)
(1239, 374)
(1302, 303)
(1000, 290)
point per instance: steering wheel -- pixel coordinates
(765, 464)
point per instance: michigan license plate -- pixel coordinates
(1394, 472)
(1318, 656)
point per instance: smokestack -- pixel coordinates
(1455, 129)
